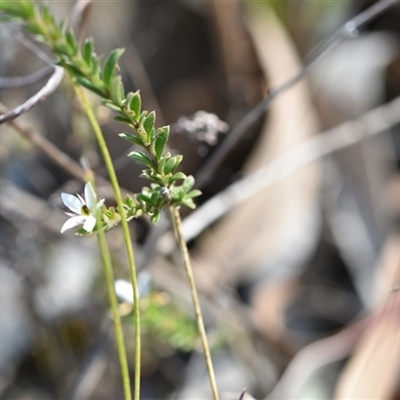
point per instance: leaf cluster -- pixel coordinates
(168, 186)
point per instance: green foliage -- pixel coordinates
(166, 323)
(20, 9)
(134, 103)
(103, 78)
(110, 67)
(141, 157)
(162, 135)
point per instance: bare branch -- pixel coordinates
(19, 81)
(48, 148)
(51, 84)
(373, 122)
(347, 31)
(37, 98)
(55, 154)
(29, 44)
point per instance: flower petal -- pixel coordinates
(97, 206)
(89, 224)
(72, 222)
(90, 196)
(72, 202)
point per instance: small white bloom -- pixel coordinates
(84, 209)
(124, 288)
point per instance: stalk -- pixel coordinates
(125, 229)
(112, 296)
(177, 222)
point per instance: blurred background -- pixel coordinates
(298, 282)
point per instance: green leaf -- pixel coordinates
(71, 68)
(161, 163)
(148, 124)
(110, 66)
(47, 15)
(194, 193)
(161, 141)
(188, 202)
(129, 202)
(96, 70)
(117, 92)
(141, 157)
(172, 163)
(145, 174)
(72, 41)
(84, 82)
(131, 138)
(21, 8)
(35, 28)
(111, 105)
(61, 47)
(135, 104)
(177, 177)
(155, 218)
(88, 52)
(188, 183)
(63, 26)
(121, 118)
(142, 198)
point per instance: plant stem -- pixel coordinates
(125, 229)
(177, 223)
(112, 296)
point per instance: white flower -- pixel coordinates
(124, 288)
(84, 210)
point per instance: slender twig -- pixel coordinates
(347, 31)
(243, 394)
(16, 33)
(37, 98)
(119, 335)
(125, 229)
(373, 122)
(19, 81)
(176, 219)
(53, 152)
(62, 159)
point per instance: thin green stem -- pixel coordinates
(112, 296)
(125, 229)
(177, 222)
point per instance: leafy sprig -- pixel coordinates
(168, 186)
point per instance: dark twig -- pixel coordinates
(243, 394)
(37, 98)
(349, 30)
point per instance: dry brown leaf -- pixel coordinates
(372, 372)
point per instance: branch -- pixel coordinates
(55, 154)
(37, 98)
(373, 122)
(19, 81)
(348, 31)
